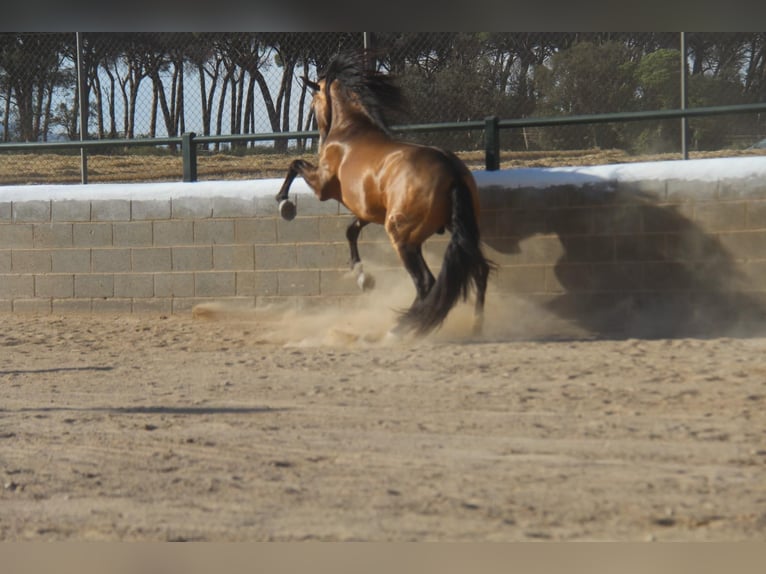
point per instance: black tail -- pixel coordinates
(464, 265)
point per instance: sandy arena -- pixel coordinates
(288, 425)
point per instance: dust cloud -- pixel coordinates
(367, 319)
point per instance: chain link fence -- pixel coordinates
(153, 85)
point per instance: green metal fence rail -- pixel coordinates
(491, 126)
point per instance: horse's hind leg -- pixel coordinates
(412, 257)
(365, 281)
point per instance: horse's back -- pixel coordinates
(403, 184)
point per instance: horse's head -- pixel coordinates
(346, 88)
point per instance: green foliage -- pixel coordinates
(586, 79)
(219, 83)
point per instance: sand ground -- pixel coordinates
(280, 424)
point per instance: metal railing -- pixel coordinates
(491, 126)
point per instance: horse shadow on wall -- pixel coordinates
(619, 263)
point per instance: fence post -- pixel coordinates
(684, 99)
(189, 152)
(492, 143)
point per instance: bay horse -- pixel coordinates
(413, 190)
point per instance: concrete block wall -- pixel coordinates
(576, 241)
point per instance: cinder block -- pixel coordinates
(96, 285)
(14, 286)
(214, 231)
(337, 282)
(269, 257)
(721, 215)
(71, 306)
(570, 221)
(693, 245)
(147, 209)
(497, 197)
(252, 283)
(215, 284)
(267, 206)
(6, 306)
(6, 212)
(233, 257)
(110, 260)
(563, 277)
(70, 260)
(617, 276)
(258, 230)
(744, 245)
(5, 261)
(382, 254)
(643, 247)
(151, 259)
(70, 210)
(110, 210)
(300, 282)
(16, 235)
(334, 228)
(654, 190)
(32, 306)
(154, 306)
(233, 207)
(536, 249)
(111, 305)
(588, 248)
(185, 305)
(52, 235)
(755, 275)
(92, 234)
(28, 211)
(191, 208)
(192, 258)
(664, 219)
(488, 223)
(132, 234)
(322, 255)
(617, 219)
(60, 286)
(667, 276)
(521, 278)
(756, 214)
(682, 190)
(30, 261)
(520, 222)
(299, 230)
(173, 232)
(741, 188)
(174, 285)
(309, 205)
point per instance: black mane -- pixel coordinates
(377, 92)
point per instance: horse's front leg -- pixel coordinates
(300, 167)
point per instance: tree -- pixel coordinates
(586, 79)
(31, 65)
(659, 86)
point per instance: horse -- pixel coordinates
(414, 191)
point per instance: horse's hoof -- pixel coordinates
(287, 210)
(365, 282)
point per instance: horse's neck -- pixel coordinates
(353, 123)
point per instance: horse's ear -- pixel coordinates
(313, 86)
